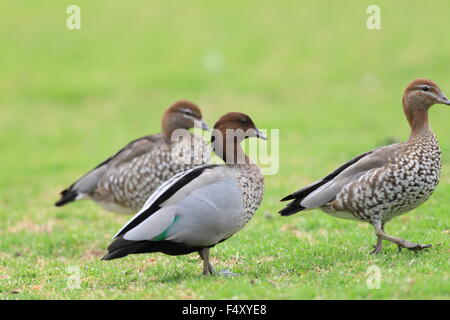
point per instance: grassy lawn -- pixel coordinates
(70, 98)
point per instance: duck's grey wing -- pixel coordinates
(87, 183)
(151, 223)
(325, 190)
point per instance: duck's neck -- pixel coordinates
(417, 117)
(167, 128)
(229, 150)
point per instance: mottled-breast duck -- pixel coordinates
(386, 182)
(124, 181)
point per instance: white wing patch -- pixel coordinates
(154, 196)
(153, 226)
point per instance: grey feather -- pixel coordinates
(376, 158)
(201, 213)
(89, 182)
(209, 214)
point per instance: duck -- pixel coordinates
(123, 182)
(386, 182)
(197, 209)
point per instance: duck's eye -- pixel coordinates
(426, 88)
(187, 111)
(243, 121)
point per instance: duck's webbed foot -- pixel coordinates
(401, 243)
(414, 246)
(228, 273)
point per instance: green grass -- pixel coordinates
(69, 99)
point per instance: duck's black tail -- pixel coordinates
(297, 197)
(291, 208)
(67, 196)
(120, 248)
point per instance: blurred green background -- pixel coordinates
(71, 98)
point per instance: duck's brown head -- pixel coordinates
(183, 114)
(424, 93)
(239, 123)
(229, 131)
(418, 97)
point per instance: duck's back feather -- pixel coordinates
(322, 191)
(87, 183)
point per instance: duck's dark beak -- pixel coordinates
(202, 124)
(260, 135)
(443, 99)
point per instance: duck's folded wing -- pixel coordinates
(157, 214)
(175, 187)
(325, 190)
(87, 183)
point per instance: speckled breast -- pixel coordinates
(415, 177)
(251, 182)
